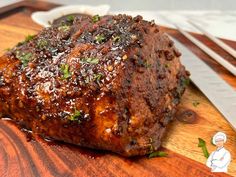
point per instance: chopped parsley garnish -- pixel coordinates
(75, 116)
(98, 76)
(147, 65)
(196, 103)
(64, 28)
(42, 43)
(100, 38)
(90, 60)
(24, 57)
(167, 65)
(185, 81)
(116, 39)
(95, 18)
(7, 49)
(202, 144)
(158, 154)
(65, 71)
(29, 38)
(70, 18)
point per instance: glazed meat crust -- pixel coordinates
(110, 83)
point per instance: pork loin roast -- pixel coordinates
(110, 83)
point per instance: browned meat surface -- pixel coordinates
(109, 83)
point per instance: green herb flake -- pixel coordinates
(64, 28)
(116, 39)
(147, 65)
(20, 43)
(202, 144)
(75, 116)
(100, 38)
(42, 43)
(65, 71)
(70, 18)
(98, 76)
(29, 38)
(95, 18)
(90, 60)
(185, 81)
(24, 57)
(7, 49)
(196, 103)
(158, 154)
(167, 65)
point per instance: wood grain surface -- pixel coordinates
(19, 157)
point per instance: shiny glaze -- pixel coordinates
(126, 94)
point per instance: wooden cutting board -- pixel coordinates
(19, 157)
